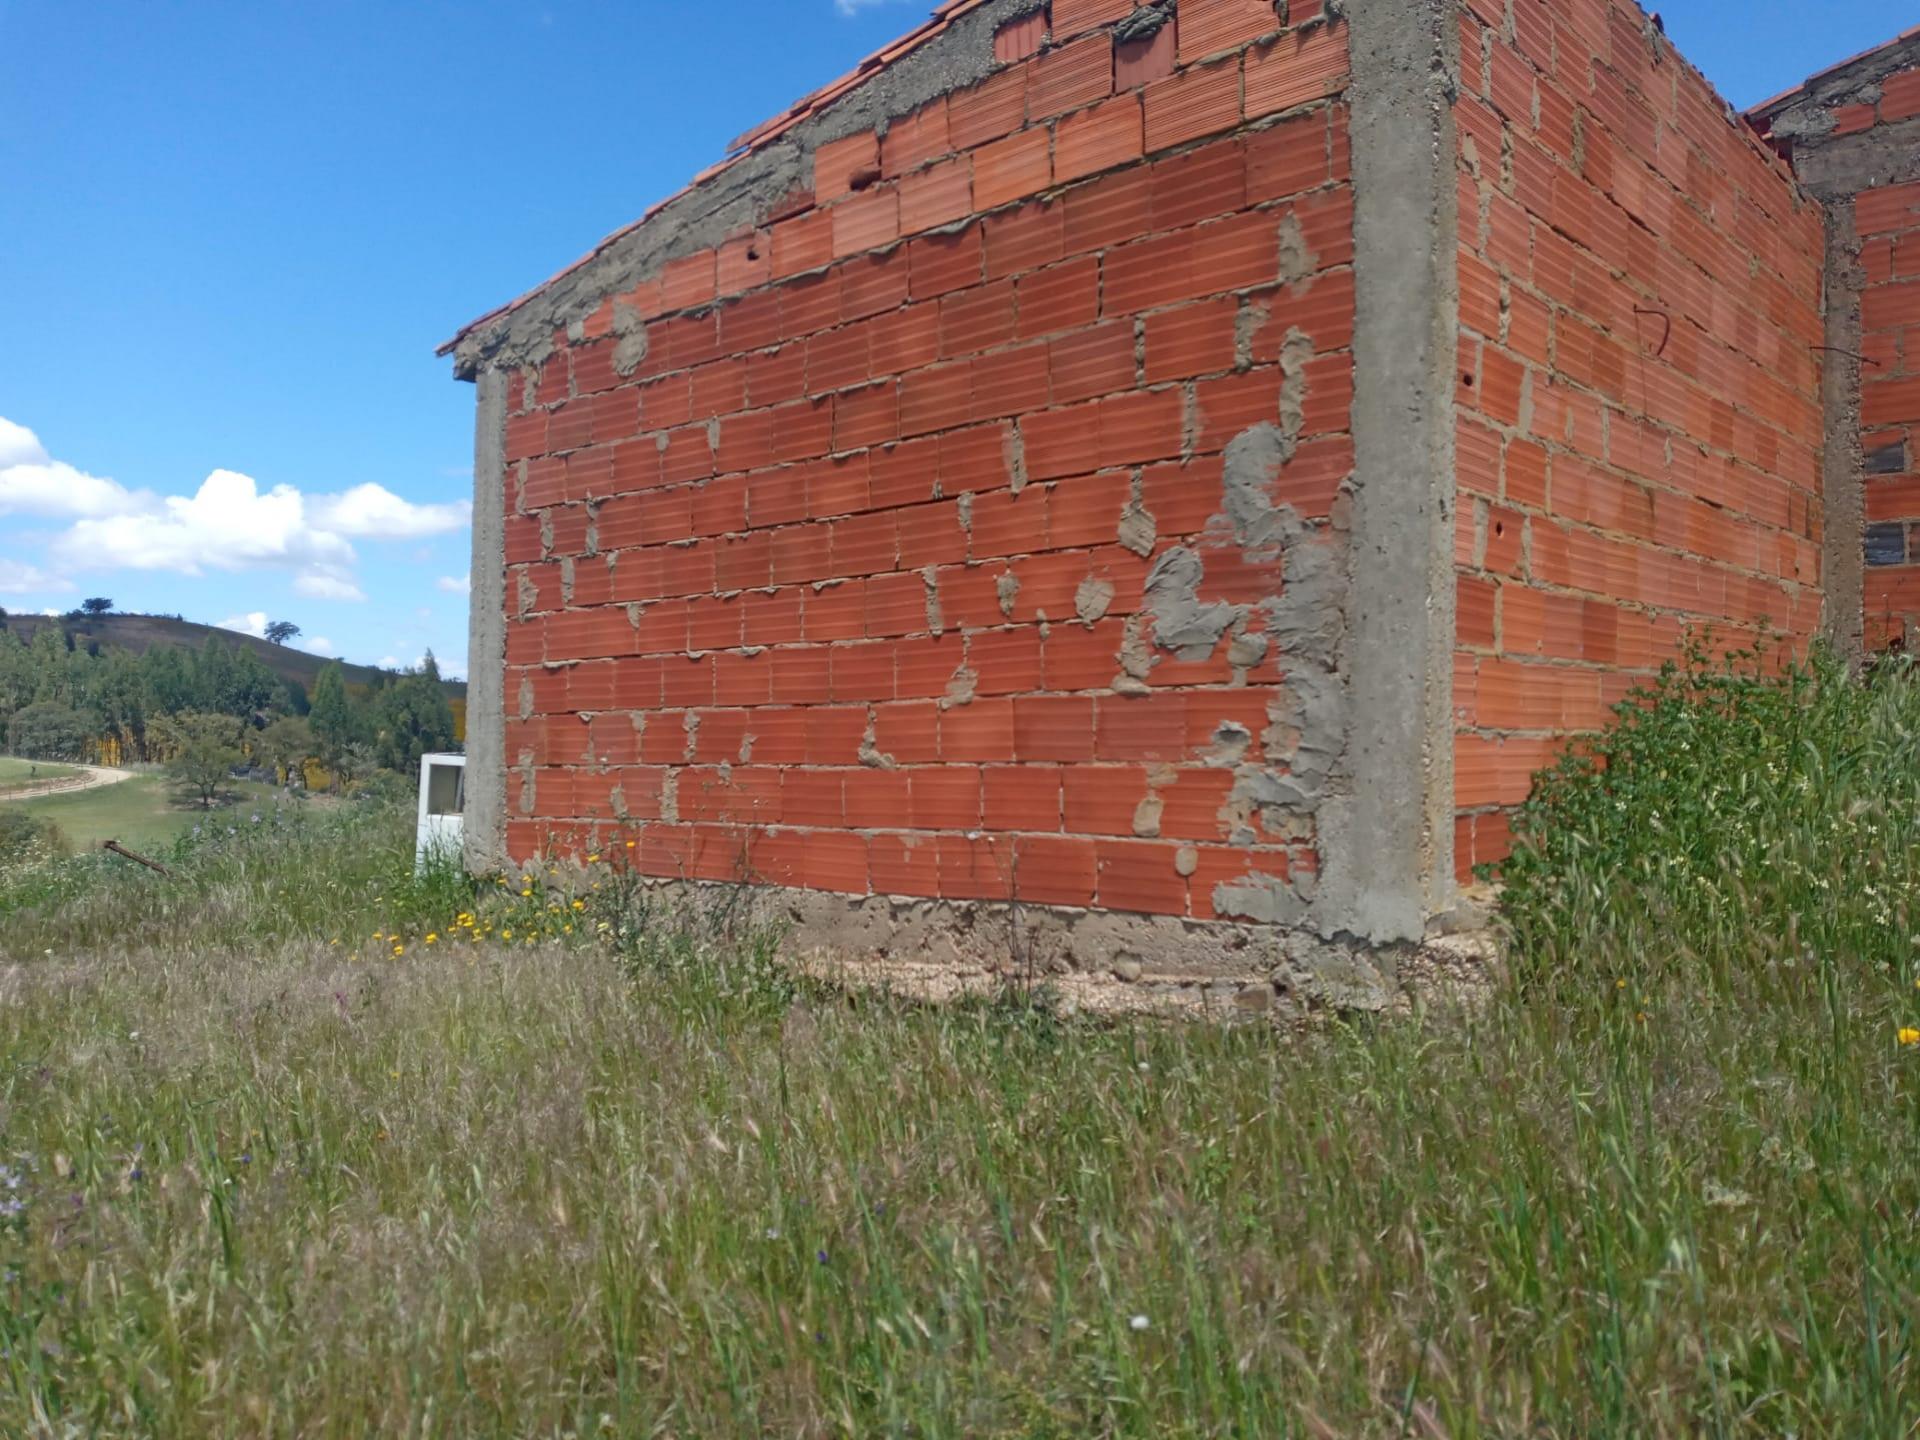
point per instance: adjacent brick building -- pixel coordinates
(1179, 468)
(1853, 135)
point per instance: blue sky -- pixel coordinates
(231, 235)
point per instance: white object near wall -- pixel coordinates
(443, 797)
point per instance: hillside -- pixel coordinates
(140, 633)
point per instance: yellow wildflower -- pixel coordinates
(579, 904)
(1909, 1035)
(432, 936)
(593, 859)
(399, 950)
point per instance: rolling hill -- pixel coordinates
(140, 633)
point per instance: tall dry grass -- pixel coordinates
(259, 1183)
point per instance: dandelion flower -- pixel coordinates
(593, 859)
(1909, 1035)
(432, 936)
(399, 950)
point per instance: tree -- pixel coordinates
(205, 749)
(331, 712)
(96, 605)
(286, 745)
(412, 718)
(48, 730)
(281, 631)
(351, 762)
(233, 681)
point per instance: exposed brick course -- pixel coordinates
(1638, 400)
(1887, 219)
(843, 584)
(971, 513)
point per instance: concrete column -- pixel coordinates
(1390, 842)
(1842, 466)
(485, 823)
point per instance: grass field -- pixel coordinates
(15, 773)
(296, 1143)
(143, 811)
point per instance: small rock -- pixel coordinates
(1127, 969)
(1255, 997)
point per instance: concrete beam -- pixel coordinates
(485, 824)
(741, 194)
(1389, 843)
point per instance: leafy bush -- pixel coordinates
(1739, 815)
(26, 839)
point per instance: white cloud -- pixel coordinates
(19, 578)
(33, 483)
(373, 510)
(320, 645)
(229, 523)
(19, 446)
(253, 623)
(317, 586)
(456, 584)
(850, 8)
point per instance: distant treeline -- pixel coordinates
(65, 701)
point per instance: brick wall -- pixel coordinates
(1638, 402)
(828, 549)
(1887, 221)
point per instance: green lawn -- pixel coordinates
(15, 773)
(143, 811)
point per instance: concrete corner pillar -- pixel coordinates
(1843, 505)
(485, 824)
(1388, 865)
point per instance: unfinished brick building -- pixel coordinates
(1179, 468)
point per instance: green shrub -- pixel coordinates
(1739, 816)
(26, 838)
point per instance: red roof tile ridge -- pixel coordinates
(757, 138)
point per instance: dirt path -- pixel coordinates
(93, 778)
